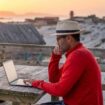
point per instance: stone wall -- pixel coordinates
(33, 54)
(24, 53)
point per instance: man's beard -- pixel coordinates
(64, 48)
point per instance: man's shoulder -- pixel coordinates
(83, 52)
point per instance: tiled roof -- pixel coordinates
(21, 33)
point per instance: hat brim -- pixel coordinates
(71, 33)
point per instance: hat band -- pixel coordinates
(66, 31)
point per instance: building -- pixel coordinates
(87, 19)
(20, 33)
(71, 15)
(17, 41)
(42, 21)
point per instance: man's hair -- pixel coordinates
(76, 37)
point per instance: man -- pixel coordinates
(78, 81)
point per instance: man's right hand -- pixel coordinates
(57, 50)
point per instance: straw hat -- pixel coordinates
(67, 27)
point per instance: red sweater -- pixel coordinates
(78, 81)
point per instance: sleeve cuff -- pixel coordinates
(38, 83)
(56, 56)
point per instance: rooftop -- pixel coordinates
(20, 33)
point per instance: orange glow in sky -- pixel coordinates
(55, 7)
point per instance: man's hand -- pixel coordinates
(34, 83)
(57, 50)
(28, 81)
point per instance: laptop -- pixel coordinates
(11, 74)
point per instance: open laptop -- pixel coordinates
(11, 74)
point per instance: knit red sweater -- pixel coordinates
(78, 81)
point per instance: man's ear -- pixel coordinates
(69, 38)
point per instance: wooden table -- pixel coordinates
(22, 95)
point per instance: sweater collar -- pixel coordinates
(74, 48)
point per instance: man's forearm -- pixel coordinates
(53, 68)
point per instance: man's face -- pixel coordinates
(62, 42)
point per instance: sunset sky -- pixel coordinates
(54, 7)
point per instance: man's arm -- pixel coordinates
(72, 72)
(53, 68)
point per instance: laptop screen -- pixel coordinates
(10, 70)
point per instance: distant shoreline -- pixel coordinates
(20, 19)
(2, 18)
